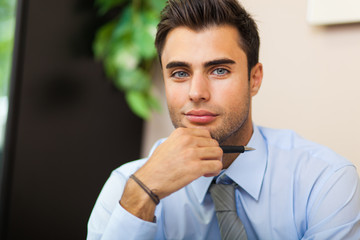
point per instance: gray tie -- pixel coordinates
(230, 225)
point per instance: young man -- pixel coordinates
(288, 188)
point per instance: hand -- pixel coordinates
(186, 155)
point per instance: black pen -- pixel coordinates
(236, 149)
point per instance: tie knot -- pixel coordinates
(223, 179)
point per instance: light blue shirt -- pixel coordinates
(289, 188)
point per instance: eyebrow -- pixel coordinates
(206, 65)
(219, 62)
(177, 64)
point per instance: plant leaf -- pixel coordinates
(106, 5)
(124, 24)
(144, 35)
(102, 40)
(136, 80)
(145, 43)
(126, 46)
(138, 104)
(154, 103)
(126, 55)
(157, 5)
(110, 67)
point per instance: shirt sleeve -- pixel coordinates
(335, 213)
(109, 220)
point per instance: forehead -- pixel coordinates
(185, 44)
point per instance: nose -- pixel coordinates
(199, 88)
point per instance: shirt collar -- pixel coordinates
(247, 170)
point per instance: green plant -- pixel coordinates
(7, 26)
(125, 44)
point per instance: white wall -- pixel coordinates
(311, 83)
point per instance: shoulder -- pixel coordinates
(296, 148)
(304, 163)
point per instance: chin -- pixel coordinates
(202, 127)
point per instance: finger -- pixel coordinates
(199, 132)
(206, 142)
(210, 153)
(211, 168)
(192, 137)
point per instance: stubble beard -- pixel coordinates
(232, 122)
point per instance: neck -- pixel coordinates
(241, 137)
(228, 159)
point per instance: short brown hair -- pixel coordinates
(200, 14)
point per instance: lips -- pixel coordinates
(200, 116)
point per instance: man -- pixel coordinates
(288, 188)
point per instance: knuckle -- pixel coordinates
(218, 165)
(185, 139)
(191, 153)
(180, 131)
(181, 141)
(216, 153)
(201, 132)
(219, 151)
(206, 133)
(196, 165)
(214, 142)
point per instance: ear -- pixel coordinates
(256, 76)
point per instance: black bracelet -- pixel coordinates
(152, 195)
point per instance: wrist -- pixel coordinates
(137, 202)
(147, 190)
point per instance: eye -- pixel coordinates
(220, 71)
(180, 74)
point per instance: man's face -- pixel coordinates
(206, 81)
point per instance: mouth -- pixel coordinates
(200, 116)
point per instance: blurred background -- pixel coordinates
(7, 28)
(68, 116)
(68, 126)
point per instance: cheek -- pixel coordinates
(175, 95)
(233, 100)
(231, 94)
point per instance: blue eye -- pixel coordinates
(180, 74)
(220, 71)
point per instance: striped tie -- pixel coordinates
(230, 225)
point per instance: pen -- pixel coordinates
(236, 149)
